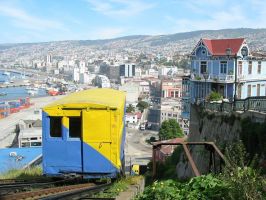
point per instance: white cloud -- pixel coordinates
(107, 33)
(21, 18)
(119, 8)
(200, 7)
(233, 17)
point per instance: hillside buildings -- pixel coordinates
(30, 133)
(171, 103)
(132, 92)
(75, 74)
(102, 81)
(48, 59)
(171, 88)
(172, 109)
(127, 70)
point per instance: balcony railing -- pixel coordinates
(222, 77)
(227, 77)
(213, 78)
(250, 103)
(251, 77)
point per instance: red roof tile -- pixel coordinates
(218, 47)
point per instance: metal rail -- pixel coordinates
(97, 198)
(5, 181)
(79, 194)
(30, 183)
(191, 161)
(13, 186)
(49, 192)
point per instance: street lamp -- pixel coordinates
(244, 53)
(229, 53)
(205, 76)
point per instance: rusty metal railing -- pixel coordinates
(210, 146)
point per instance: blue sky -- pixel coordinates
(53, 20)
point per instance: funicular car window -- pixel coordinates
(56, 126)
(75, 127)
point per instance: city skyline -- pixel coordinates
(47, 20)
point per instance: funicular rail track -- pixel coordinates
(61, 192)
(11, 185)
(18, 181)
(22, 183)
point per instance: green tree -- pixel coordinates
(142, 105)
(170, 129)
(130, 109)
(215, 96)
(243, 180)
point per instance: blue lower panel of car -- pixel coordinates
(95, 162)
(65, 158)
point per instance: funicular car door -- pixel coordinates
(74, 142)
(62, 144)
(96, 136)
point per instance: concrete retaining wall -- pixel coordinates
(132, 191)
(216, 127)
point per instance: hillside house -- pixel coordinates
(226, 66)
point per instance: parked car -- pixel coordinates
(142, 127)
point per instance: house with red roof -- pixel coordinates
(166, 150)
(226, 66)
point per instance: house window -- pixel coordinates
(258, 89)
(240, 67)
(223, 67)
(259, 67)
(176, 93)
(25, 144)
(172, 93)
(55, 126)
(249, 90)
(75, 127)
(249, 67)
(35, 144)
(239, 91)
(203, 67)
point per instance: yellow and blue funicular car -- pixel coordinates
(84, 134)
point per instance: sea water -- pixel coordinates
(14, 93)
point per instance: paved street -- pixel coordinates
(136, 149)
